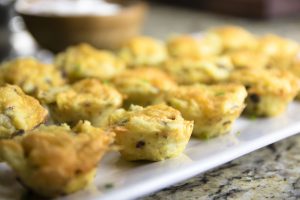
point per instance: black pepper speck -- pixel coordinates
(140, 144)
(254, 98)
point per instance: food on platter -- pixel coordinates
(295, 69)
(194, 47)
(187, 71)
(248, 59)
(269, 90)
(88, 99)
(234, 38)
(281, 51)
(143, 51)
(84, 61)
(152, 133)
(212, 108)
(31, 75)
(56, 160)
(145, 99)
(143, 85)
(18, 112)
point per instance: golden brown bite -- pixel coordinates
(281, 51)
(143, 51)
(88, 99)
(194, 47)
(55, 160)
(18, 112)
(143, 85)
(269, 90)
(84, 61)
(249, 59)
(212, 108)
(234, 38)
(295, 69)
(31, 75)
(153, 133)
(187, 71)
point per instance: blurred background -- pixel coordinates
(40, 27)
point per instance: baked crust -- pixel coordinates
(55, 160)
(152, 133)
(84, 61)
(18, 112)
(31, 75)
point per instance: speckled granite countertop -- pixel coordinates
(270, 173)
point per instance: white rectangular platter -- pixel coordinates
(120, 180)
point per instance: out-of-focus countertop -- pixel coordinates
(163, 21)
(269, 173)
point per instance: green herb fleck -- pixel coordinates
(220, 93)
(105, 82)
(77, 69)
(253, 117)
(238, 133)
(77, 66)
(206, 137)
(144, 80)
(108, 185)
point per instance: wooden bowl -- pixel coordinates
(56, 32)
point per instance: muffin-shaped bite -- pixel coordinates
(189, 71)
(234, 38)
(212, 108)
(87, 99)
(31, 75)
(248, 59)
(143, 51)
(188, 46)
(281, 51)
(18, 112)
(269, 91)
(143, 85)
(55, 160)
(295, 69)
(84, 61)
(153, 133)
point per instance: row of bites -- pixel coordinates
(99, 83)
(54, 160)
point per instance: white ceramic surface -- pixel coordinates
(119, 180)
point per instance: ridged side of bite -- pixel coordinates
(88, 99)
(153, 133)
(143, 85)
(18, 112)
(84, 61)
(269, 90)
(55, 160)
(212, 108)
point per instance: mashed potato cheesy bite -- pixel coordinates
(31, 75)
(143, 51)
(143, 85)
(269, 90)
(187, 71)
(234, 38)
(212, 108)
(87, 99)
(84, 61)
(281, 51)
(188, 46)
(248, 59)
(18, 112)
(295, 69)
(55, 160)
(153, 133)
